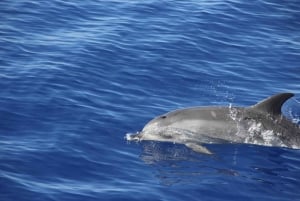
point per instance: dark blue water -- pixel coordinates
(76, 76)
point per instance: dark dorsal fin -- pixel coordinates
(273, 104)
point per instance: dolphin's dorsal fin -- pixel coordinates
(273, 104)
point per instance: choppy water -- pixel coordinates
(76, 76)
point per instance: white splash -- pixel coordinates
(260, 136)
(232, 112)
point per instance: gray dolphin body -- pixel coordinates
(261, 124)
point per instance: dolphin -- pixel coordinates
(262, 124)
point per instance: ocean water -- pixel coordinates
(76, 76)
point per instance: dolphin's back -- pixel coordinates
(268, 115)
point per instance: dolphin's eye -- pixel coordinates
(163, 117)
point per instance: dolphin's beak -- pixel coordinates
(134, 136)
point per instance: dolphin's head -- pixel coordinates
(157, 123)
(158, 129)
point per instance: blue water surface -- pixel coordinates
(76, 76)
